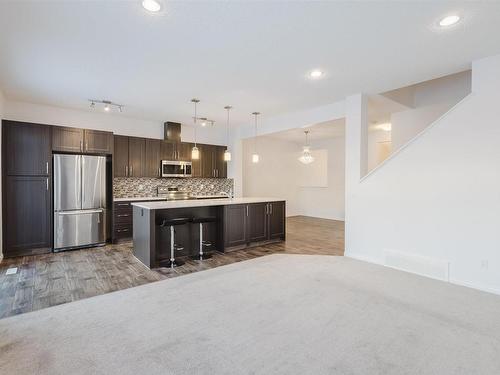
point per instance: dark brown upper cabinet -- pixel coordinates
(168, 150)
(153, 160)
(66, 139)
(129, 158)
(180, 151)
(212, 160)
(26, 150)
(98, 142)
(276, 213)
(184, 151)
(120, 156)
(136, 156)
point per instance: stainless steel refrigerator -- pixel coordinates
(79, 201)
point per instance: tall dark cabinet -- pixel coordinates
(27, 188)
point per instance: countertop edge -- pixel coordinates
(203, 203)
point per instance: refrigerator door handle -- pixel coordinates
(79, 212)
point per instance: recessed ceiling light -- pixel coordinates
(151, 5)
(449, 20)
(316, 73)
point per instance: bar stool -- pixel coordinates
(172, 223)
(201, 221)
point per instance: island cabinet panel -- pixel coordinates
(254, 223)
(98, 142)
(153, 160)
(26, 149)
(257, 222)
(235, 225)
(120, 156)
(276, 214)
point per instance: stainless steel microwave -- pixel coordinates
(173, 168)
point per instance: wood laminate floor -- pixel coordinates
(52, 279)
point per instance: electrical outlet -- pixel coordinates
(11, 271)
(484, 264)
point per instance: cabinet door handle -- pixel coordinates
(131, 171)
(81, 145)
(123, 215)
(87, 146)
(126, 171)
(47, 167)
(47, 184)
(247, 209)
(159, 172)
(270, 208)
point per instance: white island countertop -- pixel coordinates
(202, 203)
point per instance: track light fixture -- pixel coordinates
(107, 105)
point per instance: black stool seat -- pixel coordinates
(175, 221)
(206, 219)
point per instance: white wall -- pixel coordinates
(274, 175)
(431, 99)
(119, 124)
(437, 200)
(278, 174)
(327, 202)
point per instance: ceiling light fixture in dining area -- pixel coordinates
(306, 157)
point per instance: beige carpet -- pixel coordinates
(280, 314)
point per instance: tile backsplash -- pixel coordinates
(132, 187)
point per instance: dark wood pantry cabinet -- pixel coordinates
(27, 188)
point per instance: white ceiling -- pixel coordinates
(252, 55)
(319, 132)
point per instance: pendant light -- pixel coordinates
(306, 157)
(195, 152)
(227, 153)
(255, 155)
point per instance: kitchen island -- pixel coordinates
(238, 223)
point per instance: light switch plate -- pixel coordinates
(11, 271)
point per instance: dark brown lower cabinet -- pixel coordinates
(247, 224)
(235, 225)
(257, 222)
(27, 224)
(122, 221)
(276, 220)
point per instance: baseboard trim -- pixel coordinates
(466, 284)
